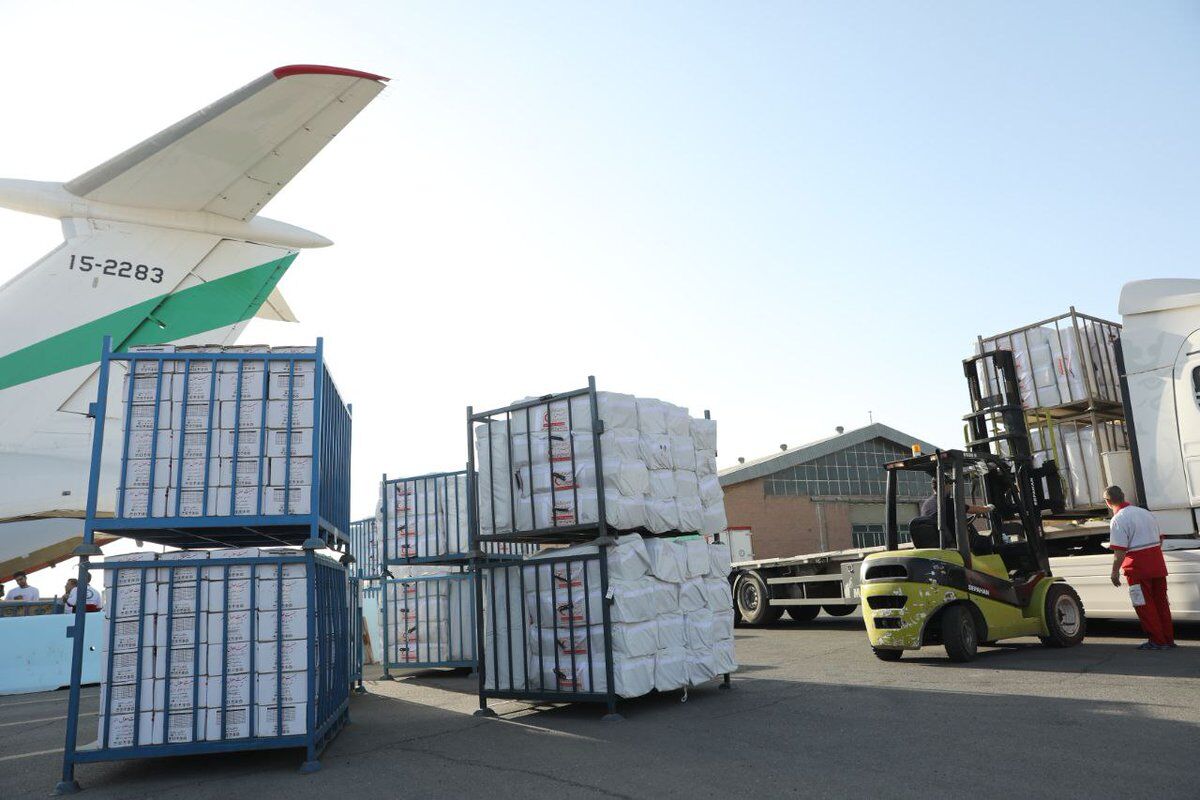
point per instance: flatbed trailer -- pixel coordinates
(804, 585)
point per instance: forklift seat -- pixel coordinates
(924, 533)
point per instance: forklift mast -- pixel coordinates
(996, 426)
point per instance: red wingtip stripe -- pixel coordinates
(318, 69)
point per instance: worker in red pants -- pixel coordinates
(1136, 542)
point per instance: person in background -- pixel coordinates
(94, 601)
(1136, 542)
(23, 591)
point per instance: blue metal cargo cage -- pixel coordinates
(428, 622)
(226, 448)
(425, 519)
(366, 549)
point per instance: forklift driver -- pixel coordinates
(924, 528)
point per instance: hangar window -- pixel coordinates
(871, 535)
(855, 471)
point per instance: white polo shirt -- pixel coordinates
(1133, 528)
(93, 598)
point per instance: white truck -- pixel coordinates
(1132, 419)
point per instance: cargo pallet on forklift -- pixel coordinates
(325, 523)
(487, 569)
(428, 490)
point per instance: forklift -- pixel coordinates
(965, 583)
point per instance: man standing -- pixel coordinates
(1137, 551)
(92, 599)
(23, 591)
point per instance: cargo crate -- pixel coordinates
(428, 622)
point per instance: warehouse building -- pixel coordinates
(826, 495)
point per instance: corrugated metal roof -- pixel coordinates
(761, 467)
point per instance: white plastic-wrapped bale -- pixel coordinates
(537, 467)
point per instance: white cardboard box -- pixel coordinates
(248, 414)
(125, 697)
(141, 443)
(298, 499)
(124, 667)
(295, 594)
(137, 500)
(251, 388)
(236, 688)
(137, 472)
(295, 624)
(247, 472)
(185, 692)
(192, 417)
(295, 688)
(141, 417)
(295, 720)
(191, 502)
(127, 602)
(186, 630)
(183, 661)
(248, 442)
(180, 600)
(236, 656)
(197, 443)
(191, 473)
(302, 442)
(289, 572)
(298, 386)
(236, 571)
(120, 729)
(146, 388)
(295, 655)
(237, 725)
(181, 576)
(182, 726)
(301, 413)
(299, 473)
(237, 623)
(238, 594)
(199, 386)
(125, 634)
(240, 502)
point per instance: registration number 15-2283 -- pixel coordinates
(118, 269)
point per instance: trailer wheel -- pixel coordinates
(959, 634)
(751, 597)
(839, 611)
(803, 613)
(1064, 617)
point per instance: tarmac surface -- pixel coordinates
(811, 713)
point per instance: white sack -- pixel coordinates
(634, 677)
(626, 477)
(722, 622)
(635, 639)
(714, 519)
(614, 409)
(698, 629)
(552, 447)
(701, 666)
(687, 485)
(622, 443)
(628, 559)
(709, 489)
(671, 631)
(704, 433)
(495, 506)
(678, 421)
(683, 452)
(662, 516)
(670, 669)
(541, 511)
(666, 597)
(656, 450)
(698, 561)
(691, 595)
(652, 416)
(719, 560)
(718, 595)
(724, 659)
(691, 514)
(668, 559)
(634, 601)
(661, 484)
(706, 463)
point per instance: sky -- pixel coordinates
(797, 215)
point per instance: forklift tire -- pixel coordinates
(839, 611)
(885, 654)
(959, 633)
(1064, 617)
(803, 613)
(751, 597)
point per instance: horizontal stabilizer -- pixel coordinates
(276, 308)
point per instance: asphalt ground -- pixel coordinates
(812, 713)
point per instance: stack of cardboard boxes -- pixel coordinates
(224, 646)
(237, 442)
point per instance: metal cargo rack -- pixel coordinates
(325, 523)
(1091, 340)
(499, 656)
(438, 496)
(326, 657)
(366, 549)
(428, 608)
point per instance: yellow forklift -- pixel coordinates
(974, 579)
